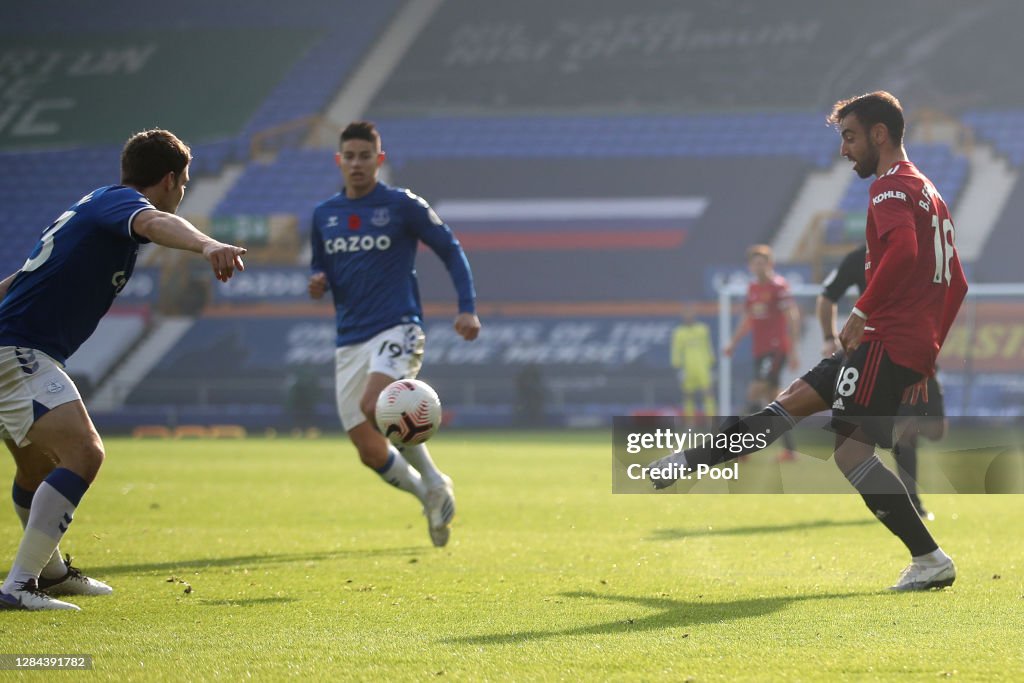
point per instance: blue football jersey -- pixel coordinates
(70, 279)
(367, 249)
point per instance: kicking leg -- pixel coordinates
(788, 442)
(798, 401)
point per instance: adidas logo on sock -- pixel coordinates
(838, 405)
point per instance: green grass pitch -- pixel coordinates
(286, 558)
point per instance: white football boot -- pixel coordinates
(918, 577)
(439, 509)
(26, 595)
(74, 582)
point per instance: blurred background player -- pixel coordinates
(364, 242)
(923, 414)
(771, 314)
(694, 357)
(48, 309)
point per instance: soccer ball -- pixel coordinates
(408, 412)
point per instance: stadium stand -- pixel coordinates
(945, 167)
(1002, 129)
(37, 185)
(114, 337)
(801, 135)
(790, 55)
(294, 182)
(1000, 258)
(526, 102)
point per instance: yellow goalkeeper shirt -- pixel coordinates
(691, 349)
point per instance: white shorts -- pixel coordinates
(396, 352)
(31, 384)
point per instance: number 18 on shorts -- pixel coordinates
(868, 391)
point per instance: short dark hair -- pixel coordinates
(361, 130)
(762, 250)
(150, 155)
(872, 108)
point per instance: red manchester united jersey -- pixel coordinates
(910, 308)
(766, 307)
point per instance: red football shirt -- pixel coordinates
(910, 305)
(766, 307)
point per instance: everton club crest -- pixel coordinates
(381, 217)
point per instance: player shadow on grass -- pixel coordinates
(245, 602)
(244, 561)
(672, 614)
(672, 534)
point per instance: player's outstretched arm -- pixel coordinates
(175, 232)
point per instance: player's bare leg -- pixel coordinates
(418, 456)
(887, 498)
(797, 401)
(439, 500)
(376, 453)
(801, 400)
(68, 435)
(410, 469)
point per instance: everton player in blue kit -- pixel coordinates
(364, 250)
(48, 309)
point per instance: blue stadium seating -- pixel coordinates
(945, 168)
(1002, 129)
(802, 135)
(35, 187)
(294, 182)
